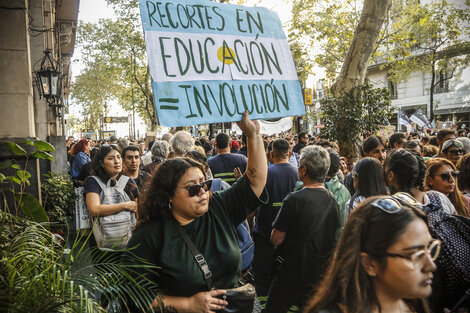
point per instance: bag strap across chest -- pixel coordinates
(195, 252)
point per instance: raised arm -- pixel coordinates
(257, 167)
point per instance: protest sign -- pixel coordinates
(209, 62)
(270, 128)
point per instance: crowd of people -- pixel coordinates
(329, 234)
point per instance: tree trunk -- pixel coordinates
(355, 64)
(353, 71)
(350, 150)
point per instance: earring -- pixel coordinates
(169, 206)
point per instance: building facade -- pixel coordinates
(29, 28)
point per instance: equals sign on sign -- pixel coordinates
(168, 106)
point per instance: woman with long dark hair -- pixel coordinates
(107, 167)
(368, 181)
(382, 263)
(179, 201)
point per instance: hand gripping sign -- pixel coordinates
(209, 62)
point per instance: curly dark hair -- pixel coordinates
(419, 182)
(156, 202)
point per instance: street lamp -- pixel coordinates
(49, 80)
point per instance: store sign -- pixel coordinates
(307, 96)
(115, 119)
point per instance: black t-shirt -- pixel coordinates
(85, 171)
(141, 180)
(309, 217)
(298, 147)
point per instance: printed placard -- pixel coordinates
(209, 62)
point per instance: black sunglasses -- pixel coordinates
(194, 189)
(446, 175)
(456, 152)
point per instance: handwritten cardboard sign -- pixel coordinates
(209, 62)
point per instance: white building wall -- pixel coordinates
(414, 91)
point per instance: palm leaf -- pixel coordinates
(38, 275)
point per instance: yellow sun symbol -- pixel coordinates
(229, 55)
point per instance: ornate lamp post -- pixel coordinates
(49, 80)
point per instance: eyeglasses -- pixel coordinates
(446, 175)
(456, 151)
(393, 204)
(194, 189)
(418, 259)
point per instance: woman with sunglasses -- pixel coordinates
(179, 196)
(452, 150)
(442, 175)
(406, 176)
(382, 263)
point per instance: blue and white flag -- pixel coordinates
(403, 118)
(420, 118)
(209, 62)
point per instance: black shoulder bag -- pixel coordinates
(240, 300)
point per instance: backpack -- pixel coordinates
(453, 274)
(112, 232)
(245, 242)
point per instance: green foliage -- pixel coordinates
(15, 185)
(327, 27)
(413, 28)
(39, 275)
(115, 66)
(31, 208)
(356, 112)
(421, 34)
(59, 200)
(16, 149)
(430, 38)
